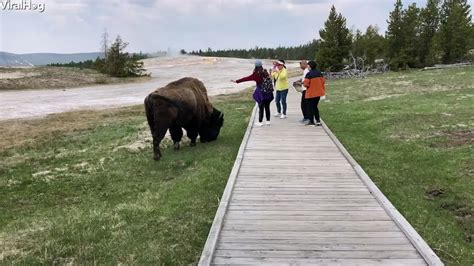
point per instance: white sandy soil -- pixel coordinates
(216, 74)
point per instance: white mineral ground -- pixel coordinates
(216, 74)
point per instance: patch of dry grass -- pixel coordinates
(56, 78)
(243, 95)
(389, 85)
(455, 138)
(17, 133)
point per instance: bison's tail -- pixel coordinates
(149, 113)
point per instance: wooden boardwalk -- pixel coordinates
(296, 197)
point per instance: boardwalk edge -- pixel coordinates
(426, 252)
(210, 246)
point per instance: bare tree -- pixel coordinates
(104, 42)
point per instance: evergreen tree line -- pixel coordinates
(301, 51)
(81, 64)
(116, 62)
(440, 32)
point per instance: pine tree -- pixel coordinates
(369, 46)
(118, 63)
(403, 35)
(358, 44)
(376, 44)
(115, 60)
(411, 30)
(395, 36)
(104, 42)
(429, 25)
(336, 42)
(456, 30)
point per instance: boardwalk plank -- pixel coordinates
(288, 234)
(298, 185)
(302, 189)
(313, 247)
(313, 227)
(298, 213)
(297, 180)
(302, 205)
(282, 194)
(296, 175)
(292, 170)
(307, 261)
(265, 218)
(346, 254)
(355, 241)
(281, 182)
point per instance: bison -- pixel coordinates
(182, 104)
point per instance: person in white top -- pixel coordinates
(305, 67)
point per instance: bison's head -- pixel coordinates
(211, 128)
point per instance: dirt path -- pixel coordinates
(216, 74)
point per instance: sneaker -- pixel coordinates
(277, 114)
(310, 124)
(259, 124)
(318, 124)
(268, 123)
(282, 116)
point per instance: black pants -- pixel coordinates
(304, 108)
(265, 105)
(313, 111)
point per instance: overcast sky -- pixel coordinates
(70, 26)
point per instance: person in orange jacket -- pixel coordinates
(314, 83)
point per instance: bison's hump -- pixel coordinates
(189, 92)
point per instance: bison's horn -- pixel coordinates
(221, 115)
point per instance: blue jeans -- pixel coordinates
(281, 96)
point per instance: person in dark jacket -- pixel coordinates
(263, 99)
(315, 89)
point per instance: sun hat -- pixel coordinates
(281, 62)
(258, 63)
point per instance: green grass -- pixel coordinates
(73, 197)
(68, 195)
(413, 133)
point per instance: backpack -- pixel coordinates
(267, 86)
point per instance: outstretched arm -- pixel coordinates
(252, 77)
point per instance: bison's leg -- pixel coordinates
(158, 135)
(162, 123)
(161, 114)
(176, 135)
(192, 135)
(157, 128)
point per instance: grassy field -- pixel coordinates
(76, 188)
(82, 187)
(413, 133)
(56, 78)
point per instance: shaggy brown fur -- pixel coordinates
(190, 91)
(182, 104)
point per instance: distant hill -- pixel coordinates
(38, 59)
(9, 59)
(49, 58)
